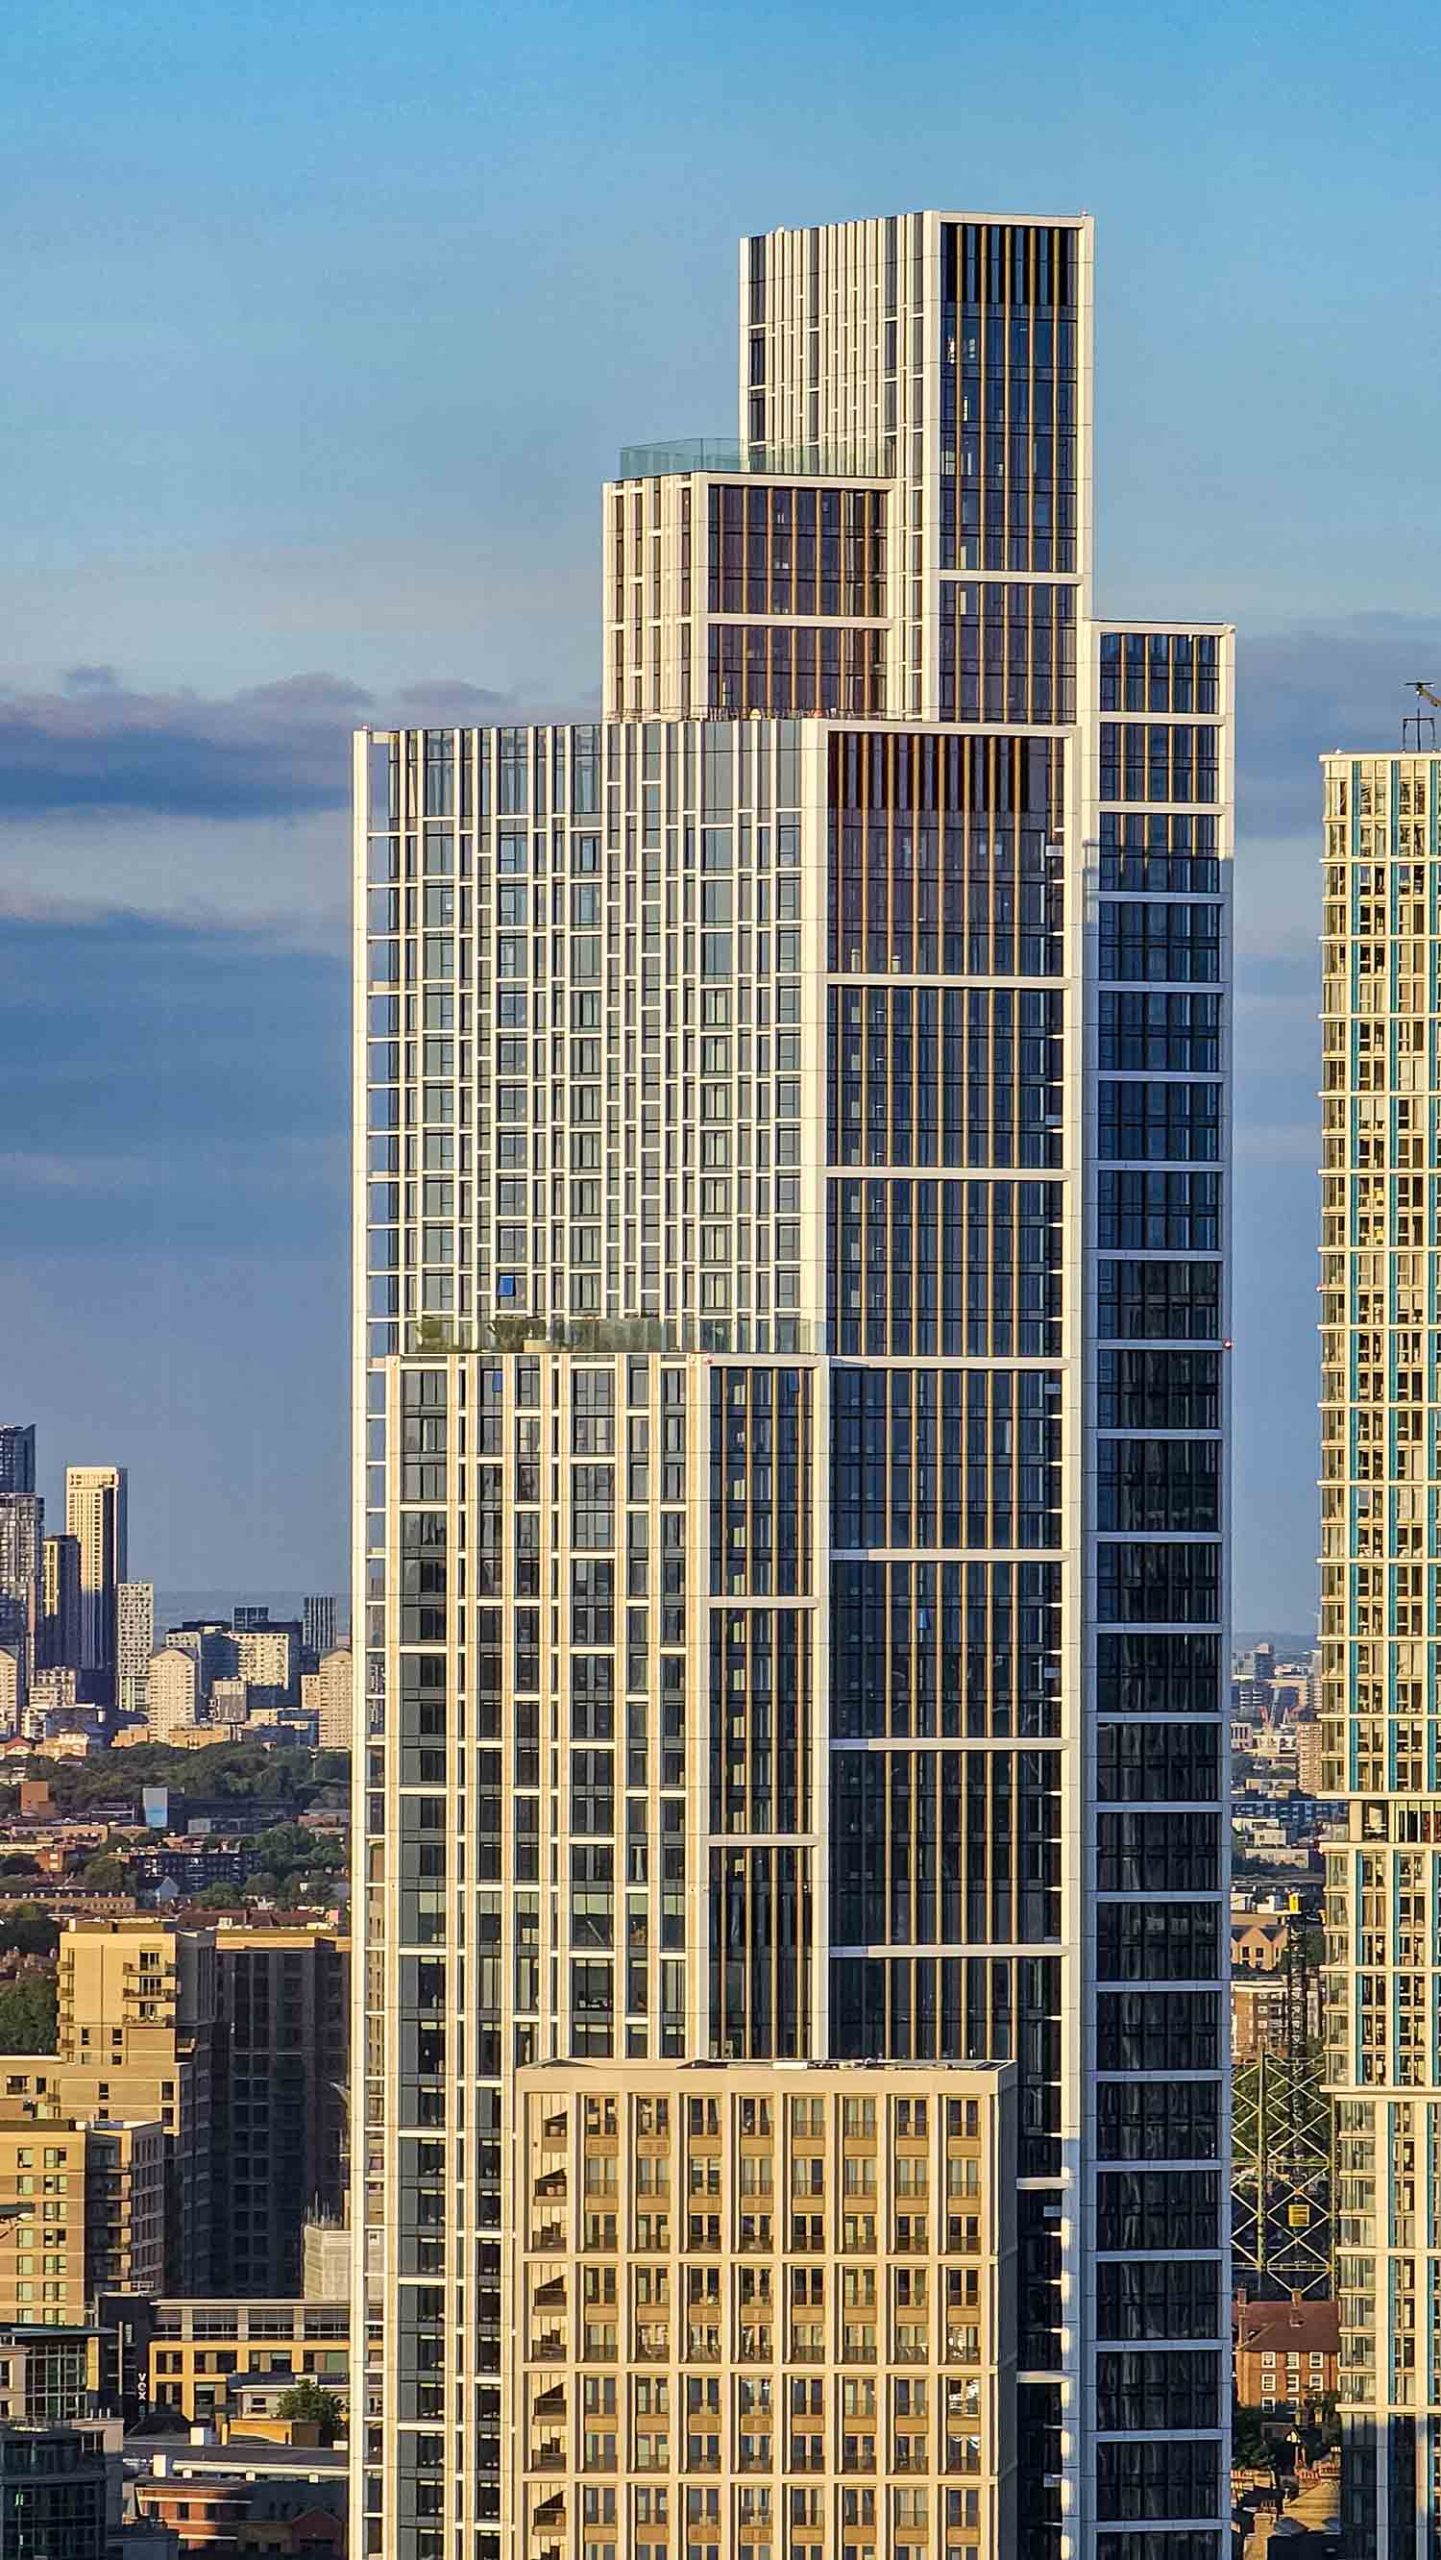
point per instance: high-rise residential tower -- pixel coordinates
(791, 1302)
(95, 1514)
(1380, 1615)
(22, 1552)
(278, 2109)
(59, 1642)
(172, 1696)
(330, 1691)
(134, 1644)
(17, 1457)
(319, 1620)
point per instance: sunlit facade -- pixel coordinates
(791, 1250)
(1381, 1460)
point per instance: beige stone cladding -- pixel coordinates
(761, 2308)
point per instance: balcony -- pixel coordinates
(724, 454)
(440, 1335)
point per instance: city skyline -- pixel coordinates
(720, 1006)
(171, 766)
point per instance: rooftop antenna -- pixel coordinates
(1418, 729)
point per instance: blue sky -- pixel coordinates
(323, 325)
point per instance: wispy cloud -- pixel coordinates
(229, 810)
(1303, 691)
(273, 1165)
(29, 1169)
(1315, 687)
(194, 809)
(274, 750)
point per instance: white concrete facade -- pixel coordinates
(1380, 1276)
(791, 1233)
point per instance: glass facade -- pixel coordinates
(791, 1236)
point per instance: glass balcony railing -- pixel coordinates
(683, 453)
(856, 461)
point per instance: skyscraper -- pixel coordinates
(95, 1514)
(1381, 1458)
(17, 1457)
(22, 1545)
(791, 1224)
(318, 1626)
(134, 1644)
(60, 1603)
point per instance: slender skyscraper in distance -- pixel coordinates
(318, 1625)
(17, 1457)
(60, 1603)
(791, 1230)
(95, 1514)
(134, 1644)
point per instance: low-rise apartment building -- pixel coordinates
(199, 2349)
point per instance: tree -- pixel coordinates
(1250, 2443)
(308, 2402)
(106, 1873)
(27, 2014)
(288, 1778)
(27, 1930)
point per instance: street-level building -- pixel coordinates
(49, 2372)
(1286, 2355)
(59, 2492)
(200, 2349)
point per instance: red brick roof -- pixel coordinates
(1288, 2328)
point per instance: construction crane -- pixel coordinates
(1423, 722)
(1281, 2166)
